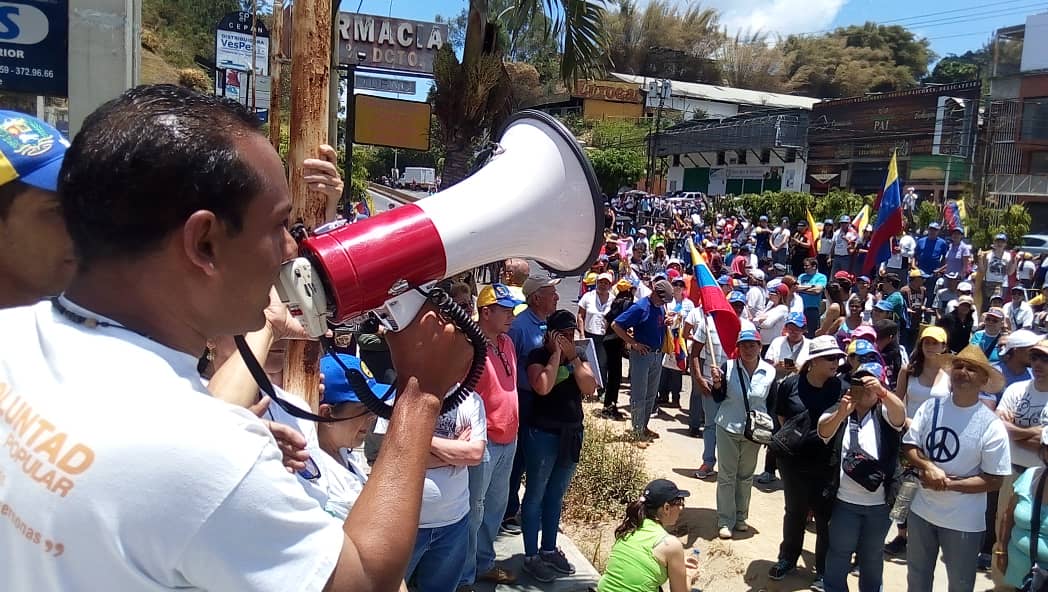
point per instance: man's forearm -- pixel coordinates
(232, 381)
(384, 520)
(458, 453)
(978, 484)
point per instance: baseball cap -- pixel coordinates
(624, 285)
(1041, 346)
(843, 275)
(737, 296)
(952, 275)
(642, 232)
(763, 218)
(844, 219)
(1000, 236)
(864, 332)
(781, 291)
(663, 289)
(965, 299)
(964, 287)
(337, 388)
(827, 221)
(606, 276)
(561, 320)
(748, 335)
(1020, 338)
(757, 275)
(995, 311)
(916, 273)
(934, 225)
(1018, 288)
(869, 369)
(884, 305)
(724, 280)
(498, 294)
(861, 347)
(535, 283)
(864, 278)
(662, 491)
(795, 318)
(31, 151)
(934, 332)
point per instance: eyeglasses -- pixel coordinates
(502, 358)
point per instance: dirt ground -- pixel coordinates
(735, 565)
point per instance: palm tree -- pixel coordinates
(665, 40)
(472, 96)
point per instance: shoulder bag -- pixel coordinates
(1037, 579)
(857, 464)
(759, 427)
(793, 432)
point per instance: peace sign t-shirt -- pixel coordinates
(965, 441)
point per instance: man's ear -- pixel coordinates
(199, 234)
(325, 410)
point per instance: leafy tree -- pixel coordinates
(954, 69)
(665, 39)
(794, 205)
(616, 167)
(748, 61)
(185, 27)
(983, 223)
(855, 60)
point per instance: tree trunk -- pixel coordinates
(457, 155)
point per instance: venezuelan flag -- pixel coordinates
(812, 229)
(953, 213)
(706, 293)
(889, 220)
(861, 220)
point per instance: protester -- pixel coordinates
(442, 544)
(671, 379)
(645, 556)
(1013, 557)
(527, 332)
(825, 247)
(811, 284)
(780, 242)
(489, 480)
(772, 321)
(195, 260)
(739, 386)
(593, 309)
(706, 353)
(959, 324)
(786, 349)
(36, 254)
(989, 337)
(805, 472)
(961, 450)
(647, 320)
(875, 419)
(835, 309)
(559, 374)
(614, 348)
(959, 254)
(1017, 313)
(997, 264)
(843, 246)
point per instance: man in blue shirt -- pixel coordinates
(810, 286)
(931, 250)
(527, 333)
(647, 319)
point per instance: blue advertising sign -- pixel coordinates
(34, 52)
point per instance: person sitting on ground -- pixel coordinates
(874, 418)
(645, 556)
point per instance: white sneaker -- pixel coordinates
(724, 532)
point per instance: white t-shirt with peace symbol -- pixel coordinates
(966, 441)
(1025, 403)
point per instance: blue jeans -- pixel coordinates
(958, 550)
(811, 321)
(525, 399)
(488, 494)
(437, 560)
(548, 479)
(645, 371)
(860, 530)
(841, 263)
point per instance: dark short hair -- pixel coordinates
(811, 261)
(892, 279)
(146, 160)
(886, 328)
(8, 192)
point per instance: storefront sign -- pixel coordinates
(234, 43)
(619, 92)
(34, 55)
(389, 43)
(390, 85)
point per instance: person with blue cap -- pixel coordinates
(864, 431)
(36, 253)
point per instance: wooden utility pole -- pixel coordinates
(310, 76)
(275, 64)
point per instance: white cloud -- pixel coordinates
(777, 16)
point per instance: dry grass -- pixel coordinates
(610, 474)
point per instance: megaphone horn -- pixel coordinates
(536, 198)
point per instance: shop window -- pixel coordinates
(765, 156)
(1035, 120)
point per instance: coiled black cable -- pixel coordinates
(462, 321)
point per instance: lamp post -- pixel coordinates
(663, 88)
(351, 123)
(947, 110)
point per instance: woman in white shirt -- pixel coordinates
(771, 322)
(593, 306)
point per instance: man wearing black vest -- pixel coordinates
(866, 429)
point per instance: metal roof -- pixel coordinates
(725, 94)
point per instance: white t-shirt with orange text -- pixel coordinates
(120, 472)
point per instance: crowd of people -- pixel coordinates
(142, 452)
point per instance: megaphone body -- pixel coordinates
(536, 198)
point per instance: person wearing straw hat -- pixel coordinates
(960, 449)
(814, 390)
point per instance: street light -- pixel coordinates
(941, 132)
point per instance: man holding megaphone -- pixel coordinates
(177, 208)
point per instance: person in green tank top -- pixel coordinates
(645, 556)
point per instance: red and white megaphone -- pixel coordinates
(536, 198)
